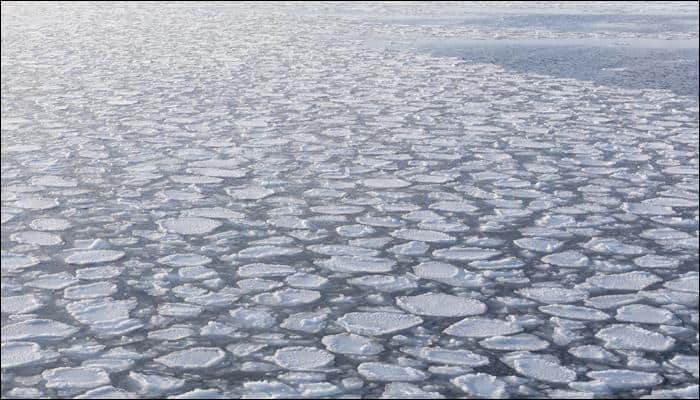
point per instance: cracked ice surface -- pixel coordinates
(273, 201)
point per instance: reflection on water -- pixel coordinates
(617, 63)
(656, 50)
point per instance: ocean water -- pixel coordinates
(363, 200)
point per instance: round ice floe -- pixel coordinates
(19, 148)
(465, 253)
(553, 295)
(664, 234)
(75, 378)
(482, 327)
(684, 284)
(681, 170)
(37, 238)
(20, 304)
(422, 235)
(409, 249)
(404, 390)
(635, 280)
(172, 333)
(219, 172)
(37, 329)
(613, 246)
(574, 312)
(439, 355)
(625, 379)
(357, 264)
(179, 310)
(349, 343)
(20, 354)
(436, 270)
(53, 281)
(449, 274)
(262, 270)
(104, 315)
(430, 178)
(342, 250)
(441, 305)
(299, 358)
(189, 225)
(378, 371)
(384, 283)
(688, 363)
(568, 259)
(454, 206)
(194, 358)
(647, 209)
(194, 179)
(521, 341)
(93, 256)
(630, 337)
(268, 252)
(481, 385)
(223, 298)
(644, 314)
(545, 232)
(288, 297)
(306, 281)
(613, 300)
(385, 183)
(543, 245)
(89, 291)
(250, 193)
(557, 221)
(201, 394)
(383, 221)
(6, 217)
(337, 210)
(268, 389)
(153, 385)
(443, 226)
(13, 262)
(36, 203)
(184, 260)
(258, 285)
(310, 322)
(252, 319)
(213, 212)
(53, 181)
(96, 273)
(377, 323)
(593, 352)
(672, 202)
(654, 261)
(539, 366)
(354, 231)
(423, 216)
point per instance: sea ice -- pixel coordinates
(377, 323)
(193, 358)
(93, 256)
(630, 337)
(349, 343)
(441, 305)
(478, 327)
(378, 371)
(299, 358)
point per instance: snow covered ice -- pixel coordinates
(366, 200)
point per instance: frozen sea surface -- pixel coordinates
(361, 200)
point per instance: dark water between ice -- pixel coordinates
(619, 63)
(628, 61)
